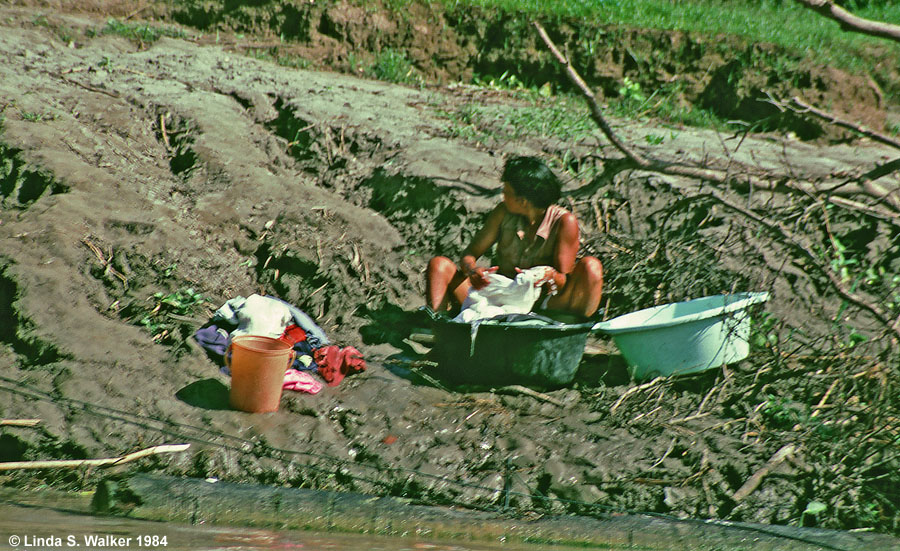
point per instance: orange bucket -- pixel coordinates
(257, 367)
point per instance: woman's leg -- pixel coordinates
(444, 284)
(583, 289)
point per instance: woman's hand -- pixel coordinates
(478, 276)
(549, 275)
(547, 280)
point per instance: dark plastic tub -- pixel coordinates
(506, 353)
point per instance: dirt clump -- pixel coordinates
(144, 183)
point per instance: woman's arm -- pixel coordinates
(483, 240)
(567, 245)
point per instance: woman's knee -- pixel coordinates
(591, 269)
(441, 265)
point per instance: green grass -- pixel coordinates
(286, 60)
(141, 32)
(393, 66)
(781, 22)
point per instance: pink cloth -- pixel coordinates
(301, 381)
(335, 363)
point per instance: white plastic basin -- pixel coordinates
(684, 337)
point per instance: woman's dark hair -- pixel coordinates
(533, 180)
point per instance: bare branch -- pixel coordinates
(596, 111)
(799, 106)
(70, 463)
(805, 249)
(634, 160)
(850, 22)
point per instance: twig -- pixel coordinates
(87, 87)
(799, 106)
(631, 391)
(414, 367)
(792, 240)
(756, 479)
(107, 267)
(821, 404)
(162, 129)
(646, 413)
(137, 11)
(596, 112)
(19, 422)
(689, 418)
(70, 463)
(665, 455)
(519, 389)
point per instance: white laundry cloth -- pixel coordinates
(503, 295)
(256, 315)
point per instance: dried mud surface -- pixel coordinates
(130, 170)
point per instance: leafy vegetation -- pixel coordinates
(162, 320)
(393, 66)
(141, 32)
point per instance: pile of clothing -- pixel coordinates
(269, 316)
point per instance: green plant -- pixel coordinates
(655, 139)
(393, 66)
(142, 33)
(293, 61)
(763, 330)
(354, 63)
(34, 116)
(810, 516)
(159, 320)
(169, 271)
(631, 101)
(631, 91)
(783, 413)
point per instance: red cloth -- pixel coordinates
(293, 334)
(335, 363)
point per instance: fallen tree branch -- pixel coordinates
(851, 22)
(635, 160)
(71, 463)
(756, 479)
(525, 391)
(882, 315)
(596, 111)
(19, 422)
(800, 107)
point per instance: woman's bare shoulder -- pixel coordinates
(568, 218)
(498, 213)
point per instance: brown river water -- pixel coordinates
(42, 528)
(55, 521)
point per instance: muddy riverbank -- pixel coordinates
(145, 183)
